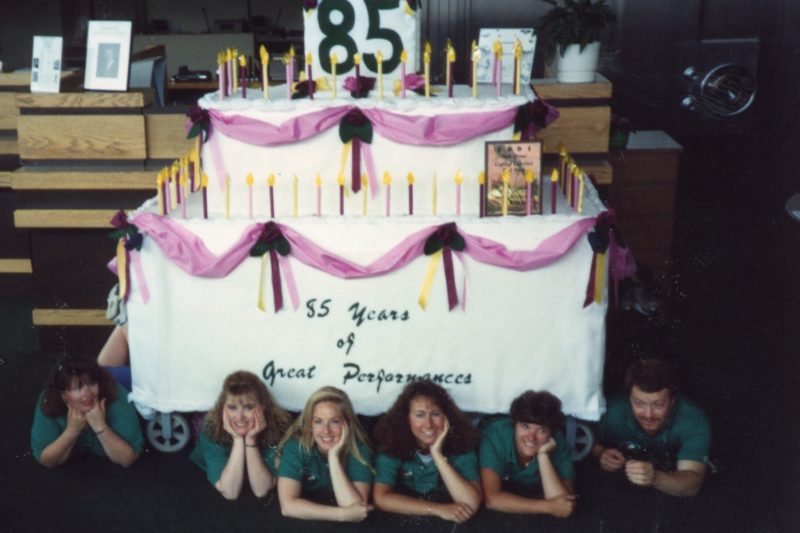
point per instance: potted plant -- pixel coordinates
(572, 31)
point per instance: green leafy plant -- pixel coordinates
(573, 22)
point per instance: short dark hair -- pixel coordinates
(542, 408)
(69, 372)
(652, 375)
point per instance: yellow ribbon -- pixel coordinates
(122, 268)
(599, 277)
(261, 284)
(428, 281)
(345, 155)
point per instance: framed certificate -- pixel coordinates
(108, 54)
(46, 64)
(514, 161)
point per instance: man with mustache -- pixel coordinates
(657, 436)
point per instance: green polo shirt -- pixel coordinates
(212, 457)
(313, 471)
(685, 436)
(498, 452)
(420, 476)
(120, 417)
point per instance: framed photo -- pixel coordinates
(518, 158)
(46, 64)
(108, 54)
(507, 37)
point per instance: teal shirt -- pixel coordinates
(313, 471)
(212, 457)
(120, 417)
(685, 436)
(422, 477)
(498, 452)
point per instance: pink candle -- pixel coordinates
(319, 195)
(528, 199)
(250, 202)
(288, 80)
(500, 77)
(341, 199)
(271, 202)
(388, 200)
(221, 76)
(403, 79)
(183, 204)
(243, 80)
(458, 199)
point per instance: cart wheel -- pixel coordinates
(584, 441)
(168, 432)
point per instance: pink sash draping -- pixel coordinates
(260, 133)
(187, 251)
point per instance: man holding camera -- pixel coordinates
(657, 436)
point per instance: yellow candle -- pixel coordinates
(580, 192)
(264, 70)
(435, 193)
(379, 59)
(481, 178)
(159, 182)
(234, 74)
(506, 179)
(227, 197)
(447, 67)
(517, 67)
(476, 57)
(426, 58)
(173, 186)
(364, 183)
(294, 196)
(334, 61)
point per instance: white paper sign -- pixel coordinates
(507, 37)
(344, 27)
(46, 64)
(108, 53)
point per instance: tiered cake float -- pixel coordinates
(347, 241)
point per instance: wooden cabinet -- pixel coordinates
(643, 195)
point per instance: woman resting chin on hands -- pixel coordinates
(325, 451)
(239, 437)
(426, 463)
(83, 408)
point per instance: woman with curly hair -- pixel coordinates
(240, 435)
(526, 464)
(426, 446)
(325, 450)
(83, 408)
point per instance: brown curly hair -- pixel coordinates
(243, 383)
(73, 372)
(393, 433)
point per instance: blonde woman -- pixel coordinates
(240, 436)
(325, 450)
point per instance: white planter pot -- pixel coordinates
(579, 67)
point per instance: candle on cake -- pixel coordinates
(451, 61)
(173, 186)
(553, 186)
(528, 185)
(498, 54)
(379, 60)
(481, 193)
(387, 180)
(318, 183)
(364, 183)
(221, 74)
(459, 179)
(182, 187)
(160, 192)
(288, 76)
(410, 180)
(250, 194)
(264, 71)
(334, 61)
(204, 185)
(476, 57)
(310, 79)
(234, 71)
(292, 65)
(580, 192)
(426, 60)
(517, 66)
(506, 177)
(435, 193)
(243, 74)
(403, 61)
(229, 72)
(357, 61)
(271, 187)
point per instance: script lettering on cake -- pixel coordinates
(271, 372)
(353, 373)
(361, 314)
(323, 308)
(390, 61)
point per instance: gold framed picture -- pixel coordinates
(513, 178)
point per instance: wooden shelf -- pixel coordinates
(99, 179)
(65, 218)
(70, 317)
(98, 100)
(15, 266)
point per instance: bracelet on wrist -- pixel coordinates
(250, 445)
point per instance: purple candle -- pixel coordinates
(310, 80)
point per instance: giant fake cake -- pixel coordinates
(343, 241)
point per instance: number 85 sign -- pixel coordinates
(347, 27)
